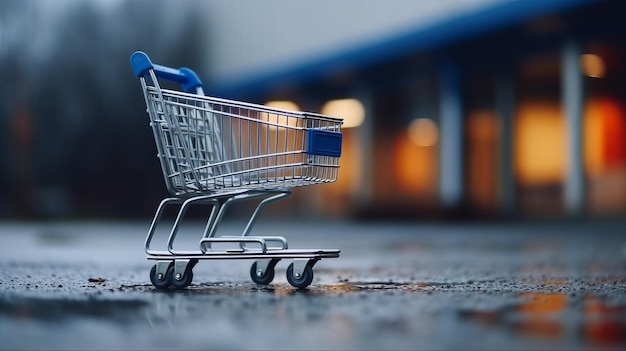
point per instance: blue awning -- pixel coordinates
(443, 33)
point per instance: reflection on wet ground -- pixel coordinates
(551, 316)
(565, 314)
(491, 288)
(554, 316)
(605, 324)
(561, 315)
(58, 309)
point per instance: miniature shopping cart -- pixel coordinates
(218, 152)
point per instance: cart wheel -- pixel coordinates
(182, 282)
(265, 278)
(303, 281)
(162, 284)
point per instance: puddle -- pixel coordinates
(60, 309)
(373, 314)
(493, 287)
(558, 317)
(227, 288)
(605, 324)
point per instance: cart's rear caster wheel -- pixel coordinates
(303, 280)
(161, 284)
(267, 277)
(179, 282)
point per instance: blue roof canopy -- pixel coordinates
(420, 40)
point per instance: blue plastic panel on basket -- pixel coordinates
(325, 143)
(211, 145)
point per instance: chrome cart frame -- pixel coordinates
(218, 152)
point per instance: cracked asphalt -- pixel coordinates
(396, 285)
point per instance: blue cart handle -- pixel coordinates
(187, 78)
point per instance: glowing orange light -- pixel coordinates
(592, 65)
(539, 143)
(283, 105)
(278, 117)
(423, 132)
(351, 110)
(605, 145)
(481, 152)
(415, 168)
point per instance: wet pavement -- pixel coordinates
(519, 285)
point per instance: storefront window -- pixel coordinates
(539, 132)
(605, 128)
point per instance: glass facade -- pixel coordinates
(519, 142)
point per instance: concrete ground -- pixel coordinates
(396, 285)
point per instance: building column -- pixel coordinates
(505, 110)
(365, 144)
(451, 129)
(573, 97)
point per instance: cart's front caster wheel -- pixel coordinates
(263, 278)
(179, 282)
(163, 283)
(303, 280)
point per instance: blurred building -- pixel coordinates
(472, 107)
(463, 107)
